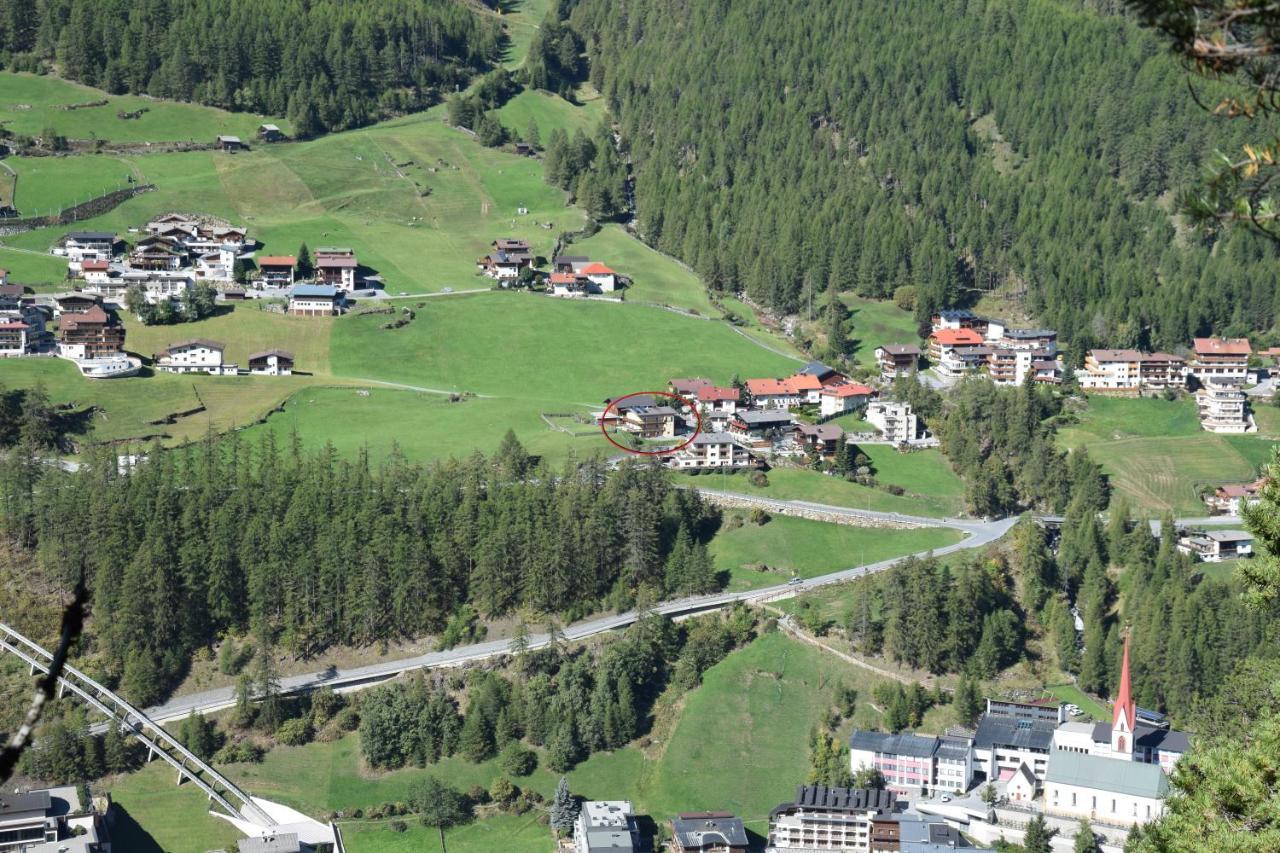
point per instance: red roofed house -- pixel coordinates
(839, 399)
(771, 394)
(717, 405)
(601, 276)
(566, 284)
(805, 387)
(95, 272)
(1221, 361)
(13, 337)
(277, 269)
(336, 267)
(943, 340)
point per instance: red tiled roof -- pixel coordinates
(713, 393)
(563, 278)
(14, 324)
(1222, 346)
(802, 382)
(956, 337)
(852, 389)
(767, 387)
(95, 266)
(596, 268)
(277, 261)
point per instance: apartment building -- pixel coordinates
(823, 818)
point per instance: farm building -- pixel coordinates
(272, 362)
(315, 300)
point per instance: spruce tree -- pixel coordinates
(1038, 836)
(564, 808)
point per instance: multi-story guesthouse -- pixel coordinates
(823, 818)
(90, 334)
(336, 267)
(912, 764)
(1130, 372)
(897, 360)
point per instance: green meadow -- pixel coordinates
(29, 104)
(760, 555)
(942, 500)
(134, 409)
(874, 323)
(551, 112)
(1157, 456)
(424, 426)
(654, 277)
(529, 346)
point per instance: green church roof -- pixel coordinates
(1107, 774)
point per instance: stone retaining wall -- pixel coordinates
(782, 508)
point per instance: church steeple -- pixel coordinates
(1125, 713)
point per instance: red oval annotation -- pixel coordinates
(683, 402)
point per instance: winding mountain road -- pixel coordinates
(978, 534)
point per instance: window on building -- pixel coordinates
(1073, 798)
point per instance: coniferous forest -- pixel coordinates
(307, 551)
(326, 64)
(959, 146)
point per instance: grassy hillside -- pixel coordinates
(787, 547)
(1157, 456)
(29, 105)
(425, 426)
(939, 495)
(419, 201)
(521, 345)
(551, 112)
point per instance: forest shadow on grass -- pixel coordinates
(128, 835)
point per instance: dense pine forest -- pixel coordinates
(307, 551)
(959, 146)
(326, 64)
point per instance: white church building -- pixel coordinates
(1115, 773)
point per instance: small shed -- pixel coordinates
(231, 144)
(270, 133)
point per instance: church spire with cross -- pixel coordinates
(1124, 716)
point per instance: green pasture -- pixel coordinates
(30, 103)
(797, 547)
(126, 406)
(655, 277)
(508, 833)
(925, 473)
(529, 346)
(48, 184)
(244, 328)
(551, 112)
(425, 426)
(874, 322)
(1157, 456)
(805, 485)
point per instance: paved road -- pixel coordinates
(979, 534)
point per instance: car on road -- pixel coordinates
(446, 290)
(795, 581)
(945, 798)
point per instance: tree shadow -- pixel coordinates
(756, 842)
(128, 834)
